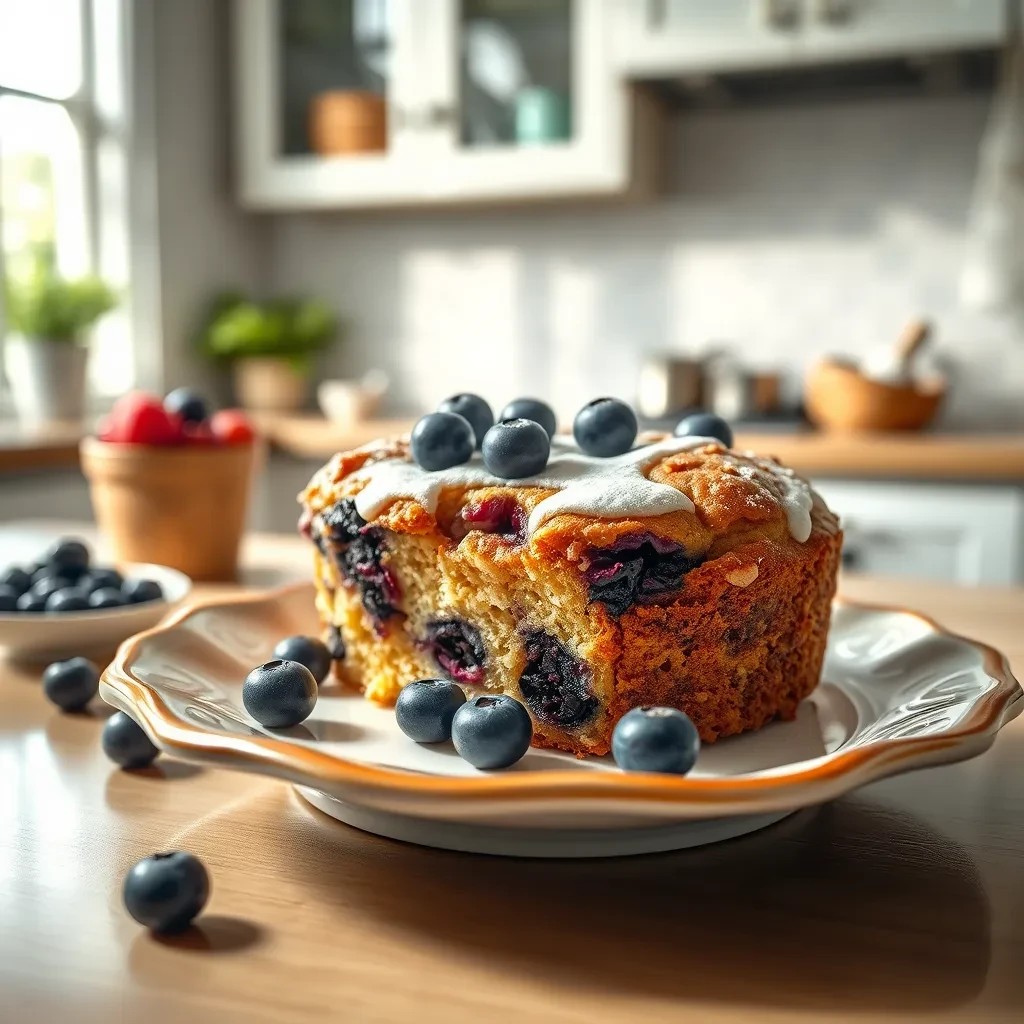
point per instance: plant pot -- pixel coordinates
(183, 507)
(269, 384)
(47, 379)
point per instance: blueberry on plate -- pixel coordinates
(165, 892)
(44, 586)
(140, 591)
(16, 578)
(472, 408)
(187, 404)
(8, 598)
(279, 693)
(67, 557)
(441, 440)
(107, 597)
(308, 651)
(605, 427)
(705, 424)
(69, 599)
(71, 684)
(101, 579)
(514, 449)
(125, 742)
(30, 601)
(492, 731)
(425, 709)
(655, 740)
(532, 409)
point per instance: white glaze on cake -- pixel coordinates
(615, 488)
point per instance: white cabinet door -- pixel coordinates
(848, 29)
(958, 534)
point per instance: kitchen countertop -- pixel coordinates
(997, 458)
(902, 902)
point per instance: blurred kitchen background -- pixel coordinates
(678, 202)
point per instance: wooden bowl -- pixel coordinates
(839, 397)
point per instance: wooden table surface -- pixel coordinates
(902, 902)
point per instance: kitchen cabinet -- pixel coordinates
(670, 37)
(960, 534)
(477, 100)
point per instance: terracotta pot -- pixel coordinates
(182, 507)
(47, 379)
(348, 122)
(268, 384)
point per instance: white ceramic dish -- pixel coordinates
(898, 693)
(43, 635)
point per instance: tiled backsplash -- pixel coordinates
(788, 232)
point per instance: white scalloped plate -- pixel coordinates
(898, 693)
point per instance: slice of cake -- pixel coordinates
(679, 573)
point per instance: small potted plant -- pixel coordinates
(270, 346)
(45, 358)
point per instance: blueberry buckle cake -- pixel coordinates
(584, 577)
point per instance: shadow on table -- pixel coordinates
(851, 906)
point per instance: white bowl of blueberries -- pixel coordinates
(63, 603)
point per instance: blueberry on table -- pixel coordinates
(532, 409)
(492, 731)
(705, 424)
(140, 591)
(125, 742)
(70, 599)
(187, 404)
(165, 892)
(655, 740)
(425, 709)
(441, 440)
(308, 651)
(71, 684)
(605, 427)
(30, 601)
(279, 693)
(8, 598)
(67, 557)
(472, 408)
(101, 579)
(16, 578)
(107, 597)
(514, 449)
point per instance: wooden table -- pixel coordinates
(903, 902)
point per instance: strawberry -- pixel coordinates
(232, 426)
(140, 418)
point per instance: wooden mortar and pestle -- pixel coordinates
(841, 395)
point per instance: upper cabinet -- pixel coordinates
(353, 103)
(670, 37)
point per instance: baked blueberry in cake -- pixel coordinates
(585, 576)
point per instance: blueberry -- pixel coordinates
(107, 597)
(605, 427)
(71, 684)
(8, 599)
(68, 557)
(187, 404)
(44, 586)
(101, 579)
(705, 424)
(16, 578)
(472, 408)
(125, 743)
(166, 891)
(308, 651)
(139, 591)
(492, 732)
(279, 693)
(458, 649)
(441, 440)
(532, 409)
(554, 683)
(516, 448)
(655, 740)
(30, 601)
(425, 709)
(70, 599)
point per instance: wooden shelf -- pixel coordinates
(52, 447)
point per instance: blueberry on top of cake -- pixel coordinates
(583, 575)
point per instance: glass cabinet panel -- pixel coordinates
(334, 75)
(516, 72)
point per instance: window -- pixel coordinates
(61, 155)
